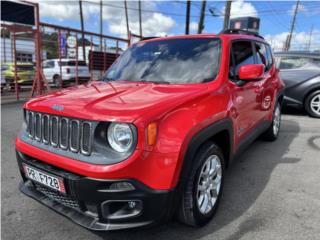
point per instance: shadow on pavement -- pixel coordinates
(245, 180)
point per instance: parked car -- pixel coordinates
(155, 137)
(69, 69)
(301, 73)
(25, 73)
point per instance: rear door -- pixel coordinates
(244, 96)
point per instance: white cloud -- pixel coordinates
(153, 24)
(299, 40)
(194, 26)
(240, 8)
(301, 9)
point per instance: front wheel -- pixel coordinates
(312, 104)
(201, 195)
(273, 131)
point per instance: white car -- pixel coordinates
(51, 70)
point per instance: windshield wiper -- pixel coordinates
(155, 82)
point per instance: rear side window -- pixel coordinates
(241, 54)
(298, 62)
(262, 55)
(269, 56)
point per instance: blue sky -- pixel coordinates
(168, 17)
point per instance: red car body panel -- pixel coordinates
(180, 112)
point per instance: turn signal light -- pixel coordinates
(152, 134)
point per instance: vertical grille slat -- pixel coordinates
(60, 132)
(37, 126)
(45, 129)
(86, 138)
(74, 135)
(54, 125)
(30, 128)
(64, 133)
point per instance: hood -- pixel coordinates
(294, 77)
(114, 101)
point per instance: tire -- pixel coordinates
(312, 104)
(57, 81)
(272, 132)
(191, 212)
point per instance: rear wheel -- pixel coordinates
(57, 81)
(273, 131)
(312, 104)
(201, 196)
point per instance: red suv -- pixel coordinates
(155, 136)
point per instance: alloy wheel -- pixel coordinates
(276, 120)
(209, 184)
(315, 104)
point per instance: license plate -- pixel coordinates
(46, 179)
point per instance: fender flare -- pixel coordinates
(197, 140)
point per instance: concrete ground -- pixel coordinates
(271, 192)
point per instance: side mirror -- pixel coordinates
(251, 72)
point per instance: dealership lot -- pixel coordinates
(271, 192)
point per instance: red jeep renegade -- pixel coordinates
(155, 136)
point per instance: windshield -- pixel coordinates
(173, 61)
(73, 63)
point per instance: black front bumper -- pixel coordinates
(91, 204)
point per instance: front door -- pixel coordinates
(245, 110)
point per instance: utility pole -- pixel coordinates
(227, 14)
(201, 20)
(288, 42)
(101, 24)
(127, 20)
(140, 19)
(188, 16)
(82, 31)
(310, 38)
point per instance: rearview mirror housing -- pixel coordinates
(251, 72)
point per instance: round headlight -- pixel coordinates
(120, 137)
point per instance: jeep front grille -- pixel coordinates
(60, 132)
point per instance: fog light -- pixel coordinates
(121, 209)
(121, 186)
(132, 204)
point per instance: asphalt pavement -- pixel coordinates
(271, 192)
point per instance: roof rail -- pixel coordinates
(147, 38)
(239, 31)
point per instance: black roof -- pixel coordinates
(239, 31)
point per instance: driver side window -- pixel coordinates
(241, 54)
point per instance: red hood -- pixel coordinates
(114, 101)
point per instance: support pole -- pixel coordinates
(101, 23)
(140, 19)
(288, 42)
(16, 88)
(201, 20)
(77, 61)
(127, 20)
(188, 16)
(227, 14)
(59, 55)
(310, 38)
(82, 31)
(39, 78)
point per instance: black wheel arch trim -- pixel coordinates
(200, 138)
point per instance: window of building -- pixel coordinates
(24, 57)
